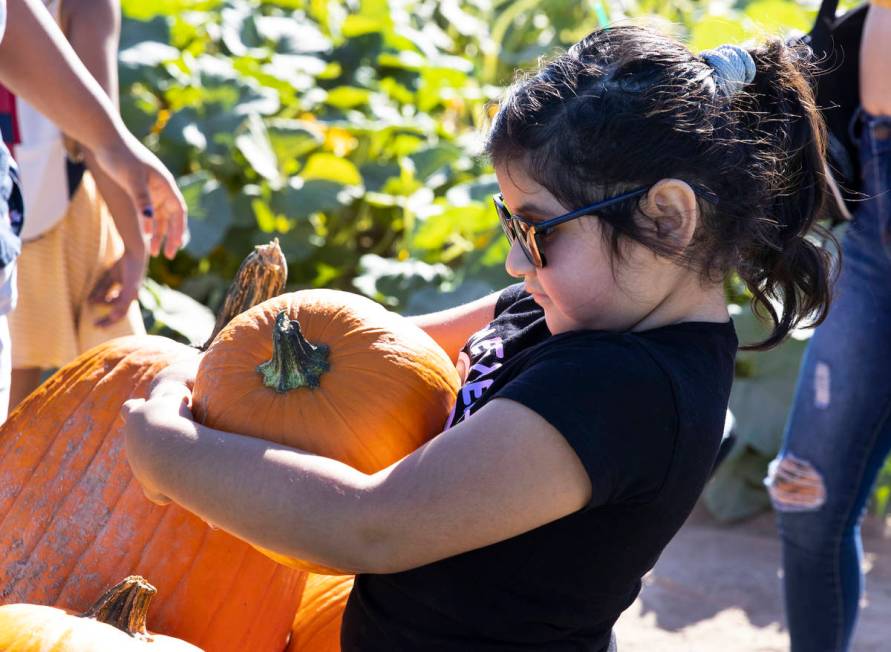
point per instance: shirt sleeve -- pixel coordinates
(613, 405)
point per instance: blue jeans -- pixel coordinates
(839, 429)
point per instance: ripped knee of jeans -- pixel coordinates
(794, 485)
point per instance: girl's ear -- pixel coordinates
(672, 212)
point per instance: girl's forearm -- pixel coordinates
(875, 60)
(291, 502)
(37, 63)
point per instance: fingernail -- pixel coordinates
(148, 212)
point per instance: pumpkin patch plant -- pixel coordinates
(116, 622)
(328, 372)
(73, 519)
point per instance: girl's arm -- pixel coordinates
(504, 472)
(38, 64)
(93, 30)
(451, 328)
(875, 59)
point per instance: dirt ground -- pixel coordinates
(717, 588)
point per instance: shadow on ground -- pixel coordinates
(719, 588)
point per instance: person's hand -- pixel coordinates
(176, 379)
(147, 422)
(151, 189)
(118, 287)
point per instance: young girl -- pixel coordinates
(634, 176)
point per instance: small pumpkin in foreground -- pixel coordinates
(319, 617)
(116, 622)
(328, 372)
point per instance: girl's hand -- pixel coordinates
(119, 286)
(147, 428)
(150, 187)
(177, 379)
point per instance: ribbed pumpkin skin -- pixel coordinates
(73, 520)
(36, 628)
(320, 615)
(389, 388)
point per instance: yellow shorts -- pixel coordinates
(53, 321)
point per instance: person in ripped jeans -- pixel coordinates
(839, 430)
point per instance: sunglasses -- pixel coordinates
(530, 233)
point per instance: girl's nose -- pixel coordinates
(516, 263)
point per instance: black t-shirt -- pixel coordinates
(643, 411)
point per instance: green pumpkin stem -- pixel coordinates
(295, 362)
(124, 605)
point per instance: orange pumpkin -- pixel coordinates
(73, 519)
(115, 622)
(317, 623)
(328, 372)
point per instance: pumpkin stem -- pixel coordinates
(295, 362)
(262, 275)
(124, 605)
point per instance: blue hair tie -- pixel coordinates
(734, 67)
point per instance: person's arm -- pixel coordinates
(93, 30)
(875, 59)
(38, 64)
(451, 328)
(501, 473)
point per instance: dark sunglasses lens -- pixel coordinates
(506, 223)
(526, 237)
(530, 247)
(514, 229)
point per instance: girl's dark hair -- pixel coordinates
(626, 107)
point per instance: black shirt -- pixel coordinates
(643, 411)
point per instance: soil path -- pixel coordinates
(717, 588)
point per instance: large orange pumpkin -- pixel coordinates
(73, 519)
(320, 615)
(328, 372)
(115, 623)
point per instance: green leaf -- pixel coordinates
(736, 492)
(290, 36)
(779, 16)
(135, 31)
(170, 310)
(238, 30)
(347, 97)
(712, 31)
(331, 168)
(300, 199)
(210, 212)
(391, 281)
(143, 63)
(479, 190)
(357, 25)
(433, 159)
(293, 139)
(253, 142)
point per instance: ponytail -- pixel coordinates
(787, 273)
